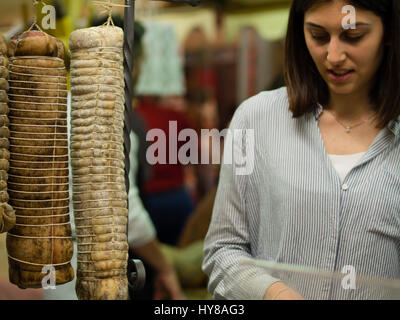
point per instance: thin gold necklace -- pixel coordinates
(348, 128)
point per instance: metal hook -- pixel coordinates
(193, 3)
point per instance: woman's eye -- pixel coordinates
(320, 37)
(353, 38)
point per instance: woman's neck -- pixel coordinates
(350, 108)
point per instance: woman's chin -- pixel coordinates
(342, 89)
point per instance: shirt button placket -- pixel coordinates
(334, 247)
(345, 187)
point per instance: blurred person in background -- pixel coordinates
(166, 196)
(203, 112)
(161, 103)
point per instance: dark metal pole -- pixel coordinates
(193, 3)
(136, 273)
(129, 31)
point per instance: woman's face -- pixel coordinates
(347, 59)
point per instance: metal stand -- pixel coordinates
(136, 275)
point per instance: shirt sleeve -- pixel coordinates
(233, 272)
(141, 229)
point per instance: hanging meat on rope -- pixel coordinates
(97, 159)
(38, 176)
(7, 214)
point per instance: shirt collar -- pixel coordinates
(393, 125)
(318, 112)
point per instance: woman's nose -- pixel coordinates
(336, 53)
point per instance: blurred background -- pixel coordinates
(217, 54)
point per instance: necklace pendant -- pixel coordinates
(348, 129)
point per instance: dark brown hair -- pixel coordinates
(305, 86)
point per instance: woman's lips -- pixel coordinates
(340, 77)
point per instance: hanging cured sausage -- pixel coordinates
(38, 176)
(7, 215)
(97, 158)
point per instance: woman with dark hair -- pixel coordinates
(324, 192)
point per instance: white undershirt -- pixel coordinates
(344, 163)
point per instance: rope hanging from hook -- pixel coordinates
(35, 24)
(108, 6)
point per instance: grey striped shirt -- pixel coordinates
(293, 210)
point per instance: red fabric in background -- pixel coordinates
(163, 177)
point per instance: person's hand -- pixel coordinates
(279, 291)
(166, 286)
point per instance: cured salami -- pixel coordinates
(97, 158)
(7, 214)
(38, 174)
